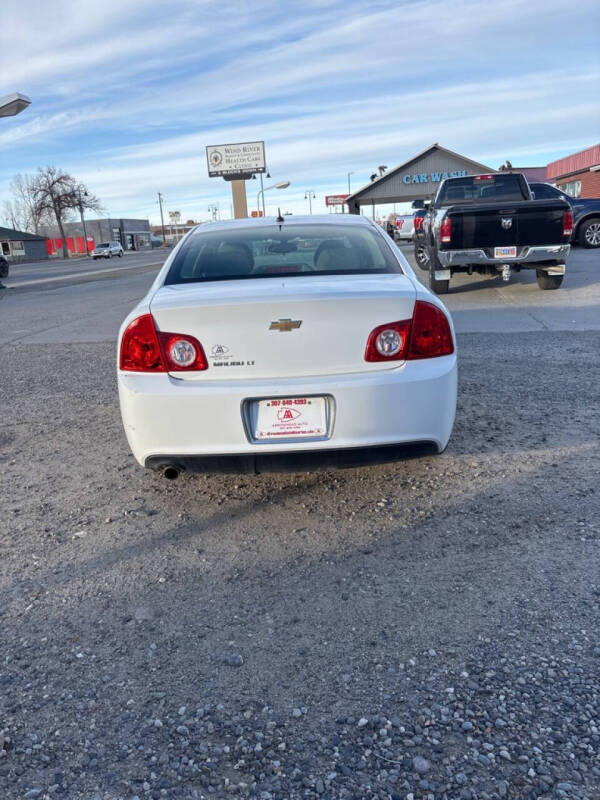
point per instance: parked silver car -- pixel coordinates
(107, 250)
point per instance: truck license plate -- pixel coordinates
(290, 418)
(505, 252)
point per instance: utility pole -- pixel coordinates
(162, 219)
(87, 250)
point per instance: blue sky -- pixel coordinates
(126, 94)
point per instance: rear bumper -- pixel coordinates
(165, 418)
(527, 256)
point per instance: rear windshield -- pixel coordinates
(104, 244)
(272, 251)
(485, 188)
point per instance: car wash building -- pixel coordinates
(416, 179)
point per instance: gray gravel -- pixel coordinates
(423, 629)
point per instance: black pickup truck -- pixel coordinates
(490, 224)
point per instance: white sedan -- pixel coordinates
(284, 336)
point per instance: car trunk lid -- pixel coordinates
(277, 328)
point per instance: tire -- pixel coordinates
(422, 256)
(589, 233)
(109, 255)
(121, 254)
(546, 281)
(439, 287)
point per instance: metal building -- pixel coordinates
(132, 234)
(416, 179)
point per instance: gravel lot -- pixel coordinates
(422, 629)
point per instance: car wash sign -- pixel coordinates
(432, 177)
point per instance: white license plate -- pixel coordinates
(505, 252)
(290, 418)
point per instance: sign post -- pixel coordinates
(236, 163)
(240, 201)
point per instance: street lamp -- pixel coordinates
(13, 104)
(349, 190)
(310, 196)
(280, 185)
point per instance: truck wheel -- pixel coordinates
(421, 256)
(589, 233)
(546, 281)
(439, 287)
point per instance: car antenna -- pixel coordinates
(279, 219)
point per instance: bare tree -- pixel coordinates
(57, 193)
(22, 188)
(14, 214)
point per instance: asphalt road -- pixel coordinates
(426, 629)
(73, 270)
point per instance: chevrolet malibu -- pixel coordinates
(284, 336)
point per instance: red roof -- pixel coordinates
(575, 163)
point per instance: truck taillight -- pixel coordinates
(446, 230)
(567, 223)
(144, 349)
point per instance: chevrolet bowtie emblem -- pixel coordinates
(285, 325)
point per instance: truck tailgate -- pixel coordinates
(527, 222)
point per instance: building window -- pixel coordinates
(18, 248)
(573, 188)
(5, 248)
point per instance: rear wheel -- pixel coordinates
(120, 253)
(421, 256)
(546, 281)
(589, 233)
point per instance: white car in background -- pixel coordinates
(284, 336)
(107, 250)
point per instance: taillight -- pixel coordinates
(418, 223)
(567, 223)
(140, 351)
(426, 335)
(446, 230)
(431, 335)
(182, 353)
(144, 349)
(388, 342)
